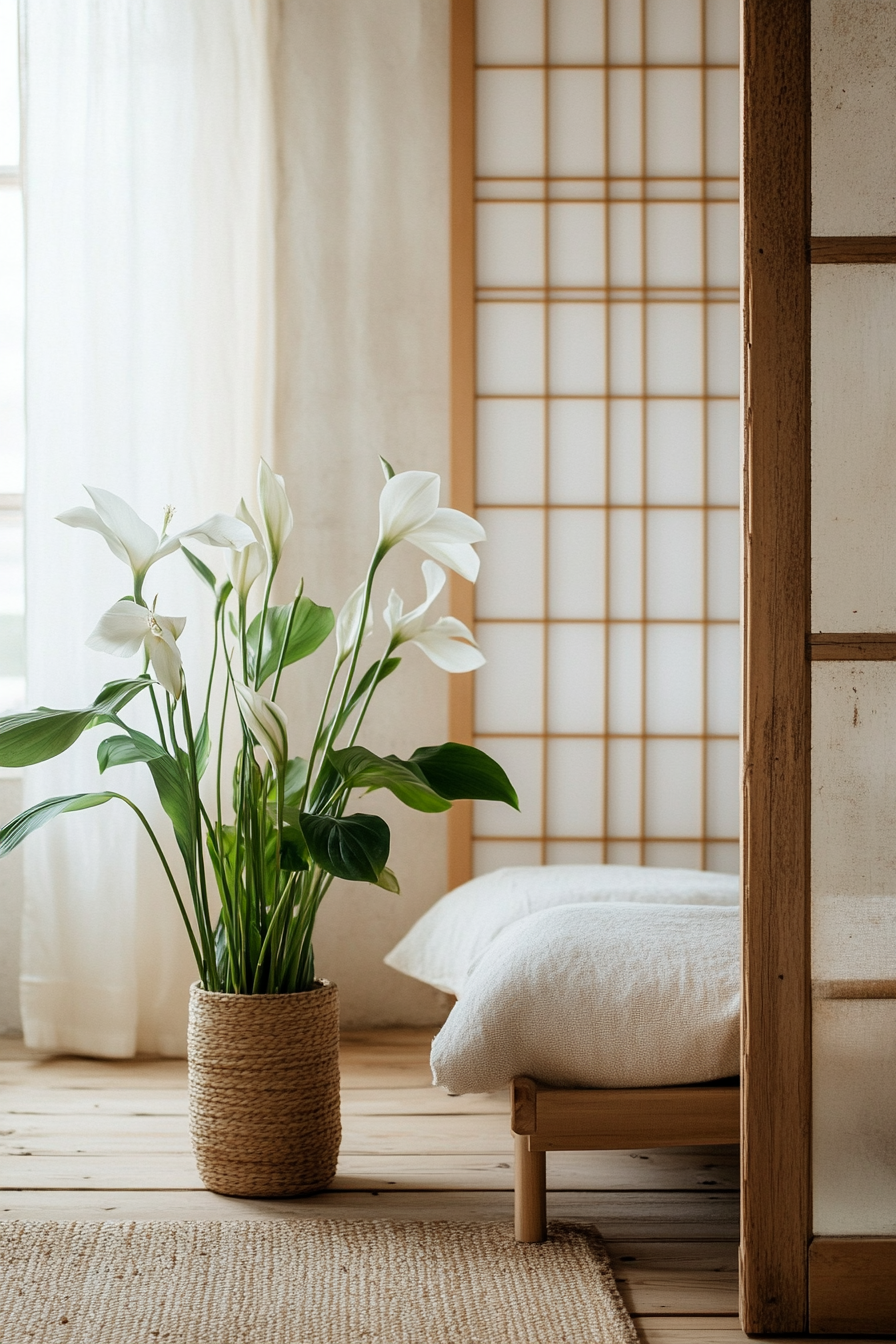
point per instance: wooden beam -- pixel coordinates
(854, 989)
(849, 648)
(463, 386)
(776, 991)
(853, 251)
(523, 1093)
(644, 1117)
(852, 1285)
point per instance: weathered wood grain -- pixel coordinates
(641, 1215)
(852, 1285)
(405, 1101)
(463, 386)
(849, 648)
(776, 999)
(866, 251)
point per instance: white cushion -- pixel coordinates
(444, 943)
(613, 995)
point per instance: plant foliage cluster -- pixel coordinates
(261, 843)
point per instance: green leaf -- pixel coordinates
(222, 595)
(375, 670)
(175, 794)
(15, 831)
(457, 771)
(294, 777)
(355, 848)
(361, 769)
(311, 626)
(38, 734)
(293, 850)
(389, 882)
(201, 569)
(133, 748)
(203, 745)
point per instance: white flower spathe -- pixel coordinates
(347, 623)
(267, 722)
(135, 542)
(245, 565)
(127, 626)
(409, 511)
(440, 639)
(276, 515)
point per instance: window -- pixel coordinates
(12, 382)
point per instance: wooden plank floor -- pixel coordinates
(90, 1139)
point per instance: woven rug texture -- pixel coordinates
(305, 1281)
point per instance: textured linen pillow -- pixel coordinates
(611, 995)
(443, 944)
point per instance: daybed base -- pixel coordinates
(550, 1119)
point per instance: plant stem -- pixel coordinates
(356, 651)
(317, 732)
(155, 705)
(197, 814)
(369, 696)
(211, 675)
(287, 633)
(261, 624)
(168, 873)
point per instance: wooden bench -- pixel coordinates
(555, 1120)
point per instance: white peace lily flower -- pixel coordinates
(135, 542)
(409, 511)
(127, 626)
(244, 566)
(276, 515)
(439, 640)
(267, 722)
(347, 624)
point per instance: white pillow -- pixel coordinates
(599, 996)
(443, 944)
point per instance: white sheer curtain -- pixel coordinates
(149, 189)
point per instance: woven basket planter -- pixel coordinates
(264, 1090)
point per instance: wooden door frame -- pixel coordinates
(791, 1282)
(776, 1067)
(463, 384)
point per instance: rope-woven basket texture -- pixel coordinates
(264, 1090)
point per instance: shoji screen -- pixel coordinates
(607, 443)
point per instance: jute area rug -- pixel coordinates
(305, 1281)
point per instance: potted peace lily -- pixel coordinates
(261, 844)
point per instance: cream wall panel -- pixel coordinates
(362, 341)
(853, 937)
(853, 102)
(510, 32)
(853, 803)
(853, 779)
(854, 1117)
(853, 458)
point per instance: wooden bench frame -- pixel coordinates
(550, 1119)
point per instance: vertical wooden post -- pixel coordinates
(776, 998)
(530, 1192)
(463, 384)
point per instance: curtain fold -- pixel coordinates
(149, 180)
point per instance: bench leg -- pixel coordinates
(529, 1200)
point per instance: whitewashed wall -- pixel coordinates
(854, 590)
(363, 369)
